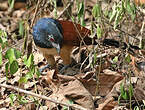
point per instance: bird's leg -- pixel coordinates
(63, 68)
(65, 55)
(43, 68)
(51, 62)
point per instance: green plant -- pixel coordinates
(120, 10)
(69, 102)
(12, 98)
(115, 60)
(21, 28)
(55, 8)
(136, 108)
(21, 99)
(12, 65)
(3, 39)
(125, 93)
(32, 69)
(81, 10)
(11, 3)
(97, 28)
(96, 11)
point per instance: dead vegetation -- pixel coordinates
(107, 76)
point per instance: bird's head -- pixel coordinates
(47, 33)
(54, 43)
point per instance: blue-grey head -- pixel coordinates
(48, 33)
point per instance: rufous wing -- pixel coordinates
(74, 33)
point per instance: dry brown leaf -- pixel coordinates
(108, 104)
(139, 93)
(139, 2)
(139, 90)
(138, 67)
(20, 5)
(29, 106)
(106, 83)
(3, 6)
(66, 88)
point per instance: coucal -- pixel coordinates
(58, 37)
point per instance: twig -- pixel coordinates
(35, 13)
(70, 3)
(42, 97)
(120, 29)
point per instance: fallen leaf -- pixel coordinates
(68, 88)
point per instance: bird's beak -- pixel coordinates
(57, 46)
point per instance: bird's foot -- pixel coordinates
(43, 68)
(63, 69)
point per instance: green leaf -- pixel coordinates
(128, 58)
(1, 58)
(69, 102)
(130, 90)
(119, 99)
(115, 59)
(113, 13)
(3, 33)
(82, 21)
(122, 89)
(128, 7)
(7, 68)
(125, 96)
(1, 41)
(131, 9)
(95, 58)
(38, 73)
(114, 65)
(96, 11)
(107, 13)
(21, 28)
(23, 80)
(3, 38)
(81, 9)
(11, 3)
(17, 53)
(12, 99)
(14, 67)
(22, 99)
(136, 108)
(25, 60)
(123, 6)
(30, 62)
(30, 74)
(10, 55)
(99, 32)
(81, 13)
(117, 18)
(55, 8)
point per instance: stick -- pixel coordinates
(42, 97)
(70, 3)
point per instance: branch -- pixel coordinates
(70, 3)
(42, 97)
(36, 9)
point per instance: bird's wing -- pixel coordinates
(73, 33)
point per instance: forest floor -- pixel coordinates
(107, 76)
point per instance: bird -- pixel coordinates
(58, 37)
